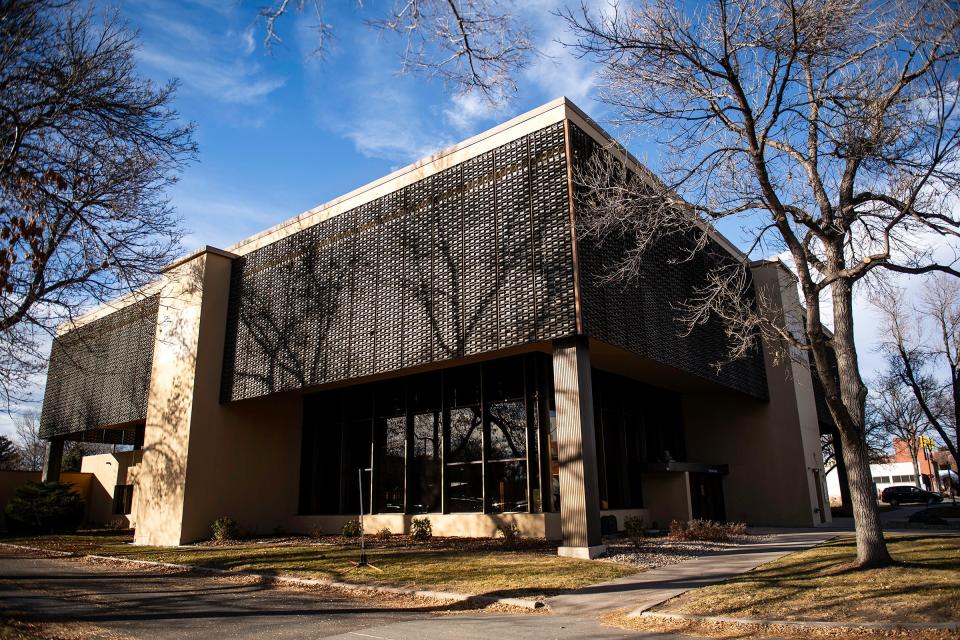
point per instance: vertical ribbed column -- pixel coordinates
(579, 496)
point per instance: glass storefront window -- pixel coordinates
(465, 487)
(508, 430)
(508, 486)
(463, 439)
(466, 436)
(390, 480)
(425, 474)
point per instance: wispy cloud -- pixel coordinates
(215, 64)
(469, 109)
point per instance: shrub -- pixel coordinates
(316, 532)
(44, 507)
(351, 528)
(383, 533)
(634, 529)
(509, 532)
(117, 523)
(421, 528)
(707, 530)
(224, 529)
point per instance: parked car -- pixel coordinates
(905, 494)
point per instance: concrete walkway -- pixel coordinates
(648, 589)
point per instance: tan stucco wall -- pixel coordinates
(666, 495)
(771, 447)
(201, 459)
(108, 470)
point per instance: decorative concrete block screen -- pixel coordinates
(99, 376)
(470, 260)
(641, 316)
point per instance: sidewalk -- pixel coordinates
(645, 590)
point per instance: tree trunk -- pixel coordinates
(871, 547)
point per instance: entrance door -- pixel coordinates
(706, 496)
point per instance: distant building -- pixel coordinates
(897, 470)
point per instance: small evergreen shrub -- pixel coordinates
(635, 529)
(421, 528)
(224, 529)
(383, 533)
(509, 532)
(707, 530)
(44, 507)
(351, 528)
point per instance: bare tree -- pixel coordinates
(827, 127)
(923, 347)
(470, 44)
(87, 151)
(894, 410)
(31, 448)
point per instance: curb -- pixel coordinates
(449, 596)
(801, 624)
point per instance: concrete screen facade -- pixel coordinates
(442, 341)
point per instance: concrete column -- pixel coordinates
(184, 385)
(576, 440)
(52, 461)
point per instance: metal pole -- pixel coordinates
(363, 550)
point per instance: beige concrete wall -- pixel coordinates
(622, 514)
(201, 459)
(108, 470)
(772, 447)
(667, 496)
(475, 525)
(105, 469)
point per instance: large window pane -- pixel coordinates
(425, 494)
(465, 488)
(508, 486)
(392, 436)
(508, 430)
(356, 457)
(466, 435)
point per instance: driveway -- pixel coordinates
(114, 600)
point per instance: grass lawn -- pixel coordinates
(819, 584)
(475, 572)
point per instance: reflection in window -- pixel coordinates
(427, 437)
(508, 430)
(465, 487)
(466, 435)
(508, 484)
(390, 480)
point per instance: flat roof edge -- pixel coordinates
(418, 166)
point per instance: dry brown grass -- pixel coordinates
(727, 631)
(923, 585)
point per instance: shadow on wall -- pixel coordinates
(434, 272)
(161, 475)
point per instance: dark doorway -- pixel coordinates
(706, 496)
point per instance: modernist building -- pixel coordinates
(443, 342)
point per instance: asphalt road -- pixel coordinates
(114, 600)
